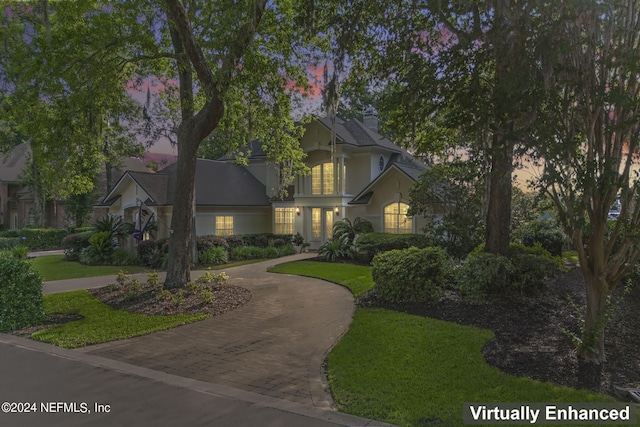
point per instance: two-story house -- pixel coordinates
(362, 175)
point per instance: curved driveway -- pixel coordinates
(274, 345)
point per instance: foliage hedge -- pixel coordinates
(21, 303)
(544, 232)
(412, 274)
(7, 243)
(524, 271)
(74, 243)
(370, 244)
(41, 238)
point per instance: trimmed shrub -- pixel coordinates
(533, 267)
(270, 252)
(286, 250)
(234, 242)
(264, 240)
(21, 303)
(525, 271)
(204, 243)
(260, 240)
(146, 251)
(278, 243)
(9, 242)
(412, 274)
(214, 256)
(73, 244)
(484, 273)
(246, 252)
(42, 238)
(371, 244)
(544, 232)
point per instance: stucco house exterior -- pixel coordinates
(363, 175)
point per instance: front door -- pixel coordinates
(321, 223)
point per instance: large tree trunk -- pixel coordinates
(179, 261)
(597, 291)
(499, 206)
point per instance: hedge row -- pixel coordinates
(21, 302)
(39, 238)
(370, 244)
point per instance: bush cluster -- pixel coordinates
(21, 303)
(370, 244)
(38, 238)
(544, 232)
(412, 274)
(74, 243)
(7, 243)
(524, 271)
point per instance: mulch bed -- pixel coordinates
(150, 301)
(529, 338)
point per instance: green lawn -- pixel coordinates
(101, 323)
(406, 369)
(412, 371)
(357, 278)
(54, 267)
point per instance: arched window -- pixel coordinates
(396, 220)
(322, 181)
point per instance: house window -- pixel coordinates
(322, 181)
(344, 179)
(316, 223)
(285, 219)
(224, 225)
(396, 220)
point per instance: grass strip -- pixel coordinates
(356, 278)
(54, 267)
(411, 371)
(101, 323)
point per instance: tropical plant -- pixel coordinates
(351, 230)
(335, 249)
(114, 225)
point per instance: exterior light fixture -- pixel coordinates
(298, 210)
(337, 211)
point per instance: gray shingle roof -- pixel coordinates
(217, 184)
(403, 162)
(12, 164)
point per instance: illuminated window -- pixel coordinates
(328, 221)
(224, 226)
(322, 179)
(396, 220)
(316, 223)
(285, 218)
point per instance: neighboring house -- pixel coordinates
(363, 175)
(16, 198)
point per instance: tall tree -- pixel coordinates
(463, 65)
(592, 142)
(252, 54)
(61, 97)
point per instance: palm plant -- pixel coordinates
(351, 230)
(336, 248)
(114, 225)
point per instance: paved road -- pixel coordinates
(50, 377)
